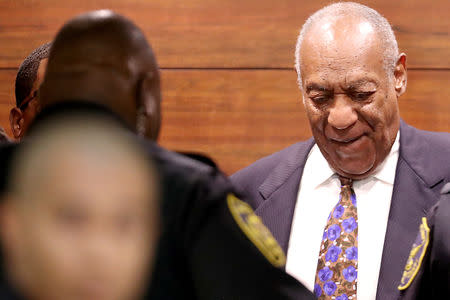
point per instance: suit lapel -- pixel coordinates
(412, 196)
(279, 192)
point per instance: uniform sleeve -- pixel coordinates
(232, 255)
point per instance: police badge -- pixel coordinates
(416, 255)
(256, 231)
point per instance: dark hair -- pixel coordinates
(28, 72)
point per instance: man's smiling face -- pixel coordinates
(350, 98)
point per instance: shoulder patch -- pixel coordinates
(256, 231)
(418, 250)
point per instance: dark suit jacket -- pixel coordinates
(271, 185)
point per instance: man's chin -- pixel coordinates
(355, 172)
(356, 168)
(358, 165)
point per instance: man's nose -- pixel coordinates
(342, 115)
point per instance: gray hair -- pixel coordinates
(380, 24)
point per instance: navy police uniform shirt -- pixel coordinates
(427, 271)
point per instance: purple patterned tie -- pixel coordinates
(337, 269)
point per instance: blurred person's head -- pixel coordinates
(103, 57)
(81, 217)
(351, 74)
(28, 80)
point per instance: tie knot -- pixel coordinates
(346, 181)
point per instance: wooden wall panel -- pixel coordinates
(218, 33)
(235, 116)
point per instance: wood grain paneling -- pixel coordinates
(240, 116)
(217, 33)
(235, 116)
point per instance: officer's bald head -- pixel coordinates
(103, 57)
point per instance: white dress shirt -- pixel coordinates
(318, 194)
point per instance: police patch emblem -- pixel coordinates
(256, 231)
(416, 255)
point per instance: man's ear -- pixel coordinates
(16, 122)
(400, 75)
(149, 102)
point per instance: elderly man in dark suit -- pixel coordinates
(346, 204)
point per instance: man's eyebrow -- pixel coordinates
(361, 82)
(316, 87)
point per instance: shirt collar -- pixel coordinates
(322, 170)
(385, 172)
